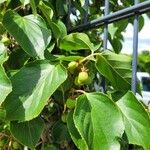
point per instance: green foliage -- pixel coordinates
(144, 61)
(37, 80)
(90, 122)
(76, 41)
(50, 80)
(118, 69)
(27, 133)
(5, 84)
(34, 34)
(136, 120)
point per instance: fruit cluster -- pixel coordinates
(83, 77)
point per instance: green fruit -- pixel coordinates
(70, 103)
(76, 81)
(83, 77)
(64, 118)
(15, 145)
(72, 66)
(5, 40)
(2, 143)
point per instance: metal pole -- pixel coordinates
(116, 16)
(69, 13)
(106, 11)
(135, 51)
(106, 25)
(86, 8)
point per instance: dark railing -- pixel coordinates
(134, 11)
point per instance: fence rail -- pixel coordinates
(134, 11)
(139, 9)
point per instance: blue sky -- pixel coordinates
(144, 38)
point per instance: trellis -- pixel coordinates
(134, 11)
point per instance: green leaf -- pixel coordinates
(32, 87)
(5, 84)
(62, 28)
(46, 10)
(98, 121)
(116, 44)
(60, 132)
(20, 58)
(2, 1)
(112, 30)
(116, 68)
(136, 120)
(27, 133)
(59, 29)
(76, 41)
(61, 7)
(141, 23)
(2, 115)
(33, 6)
(25, 2)
(33, 31)
(55, 29)
(76, 137)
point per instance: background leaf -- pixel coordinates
(136, 120)
(28, 133)
(5, 84)
(46, 10)
(25, 2)
(34, 34)
(33, 6)
(60, 132)
(116, 68)
(76, 41)
(32, 87)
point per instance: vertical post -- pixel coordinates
(135, 51)
(86, 8)
(106, 12)
(69, 13)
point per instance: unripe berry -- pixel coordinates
(15, 145)
(72, 66)
(76, 81)
(64, 117)
(70, 103)
(83, 77)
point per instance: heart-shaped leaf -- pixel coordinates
(27, 133)
(34, 34)
(136, 120)
(98, 121)
(32, 87)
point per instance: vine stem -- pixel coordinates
(88, 57)
(80, 91)
(18, 8)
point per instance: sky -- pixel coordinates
(144, 38)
